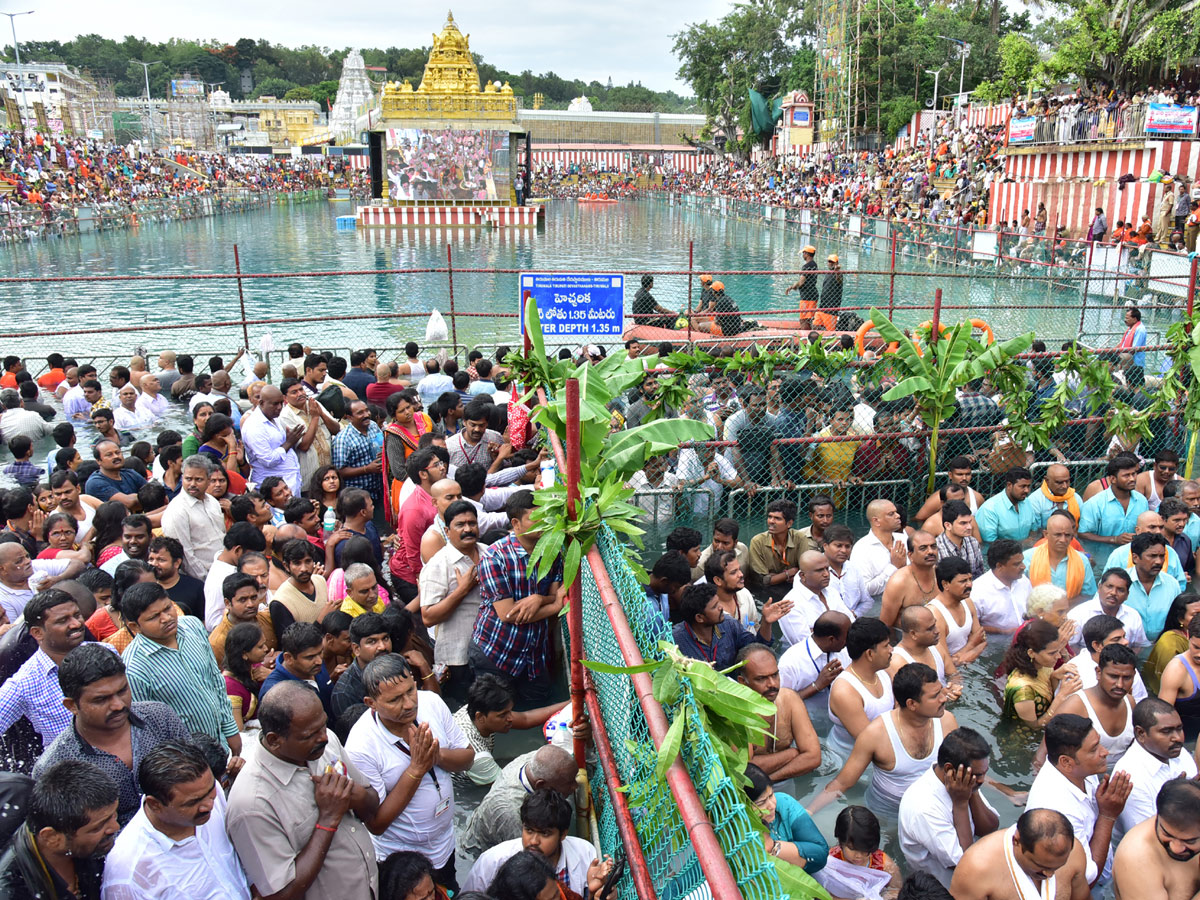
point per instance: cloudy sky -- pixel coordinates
(629, 40)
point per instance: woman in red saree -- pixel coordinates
(400, 438)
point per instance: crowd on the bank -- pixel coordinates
(256, 657)
(55, 173)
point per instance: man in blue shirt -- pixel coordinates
(1008, 514)
(110, 481)
(1152, 590)
(300, 660)
(706, 632)
(1110, 517)
(361, 372)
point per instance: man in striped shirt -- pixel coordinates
(170, 660)
(512, 629)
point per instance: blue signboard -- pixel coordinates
(576, 304)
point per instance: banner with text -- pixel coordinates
(1021, 130)
(575, 305)
(1166, 118)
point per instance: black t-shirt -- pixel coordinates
(808, 290)
(644, 303)
(188, 593)
(831, 291)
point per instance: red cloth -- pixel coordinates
(417, 514)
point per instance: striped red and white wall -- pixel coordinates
(448, 216)
(988, 116)
(1073, 184)
(619, 160)
(358, 162)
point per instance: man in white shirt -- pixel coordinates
(407, 746)
(881, 551)
(725, 537)
(1001, 594)
(843, 574)
(20, 576)
(545, 819)
(1154, 758)
(1111, 593)
(151, 402)
(943, 811)
(811, 595)
(810, 666)
(1097, 633)
(1074, 782)
(194, 518)
(449, 591)
(176, 845)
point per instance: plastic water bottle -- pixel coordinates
(547, 473)
(329, 522)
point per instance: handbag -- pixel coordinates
(1005, 454)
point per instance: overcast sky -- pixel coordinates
(629, 40)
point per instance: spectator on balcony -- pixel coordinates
(1099, 226)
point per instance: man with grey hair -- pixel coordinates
(362, 591)
(498, 817)
(18, 421)
(195, 519)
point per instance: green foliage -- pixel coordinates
(273, 87)
(933, 376)
(299, 93)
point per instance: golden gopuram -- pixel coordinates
(450, 87)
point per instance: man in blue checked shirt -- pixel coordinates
(355, 455)
(55, 622)
(516, 609)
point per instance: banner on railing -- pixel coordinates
(1166, 118)
(1021, 131)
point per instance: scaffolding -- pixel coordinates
(849, 94)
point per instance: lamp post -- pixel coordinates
(964, 50)
(17, 52)
(937, 74)
(149, 113)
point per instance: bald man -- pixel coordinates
(1037, 857)
(811, 596)
(444, 493)
(1055, 492)
(791, 746)
(1121, 556)
(920, 642)
(271, 448)
(881, 551)
(914, 584)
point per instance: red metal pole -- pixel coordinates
(450, 277)
(892, 277)
(575, 610)
(937, 318)
(237, 265)
(691, 248)
(713, 863)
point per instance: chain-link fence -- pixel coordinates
(667, 846)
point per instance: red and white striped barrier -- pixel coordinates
(358, 162)
(448, 216)
(1072, 185)
(621, 160)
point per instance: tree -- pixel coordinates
(273, 87)
(324, 93)
(1018, 61)
(299, 93)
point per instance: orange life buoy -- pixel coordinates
(989, 337)
(861, 334)
(928, 323)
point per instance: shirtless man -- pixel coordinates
(791, 746)
(920, 642)
(1152, 482)
(959, 631)
(1156, 860)
(948, 492)
(916, 726)
(958, 471)
(916, 583)
(1038, 857)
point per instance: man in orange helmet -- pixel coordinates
(807, 285)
